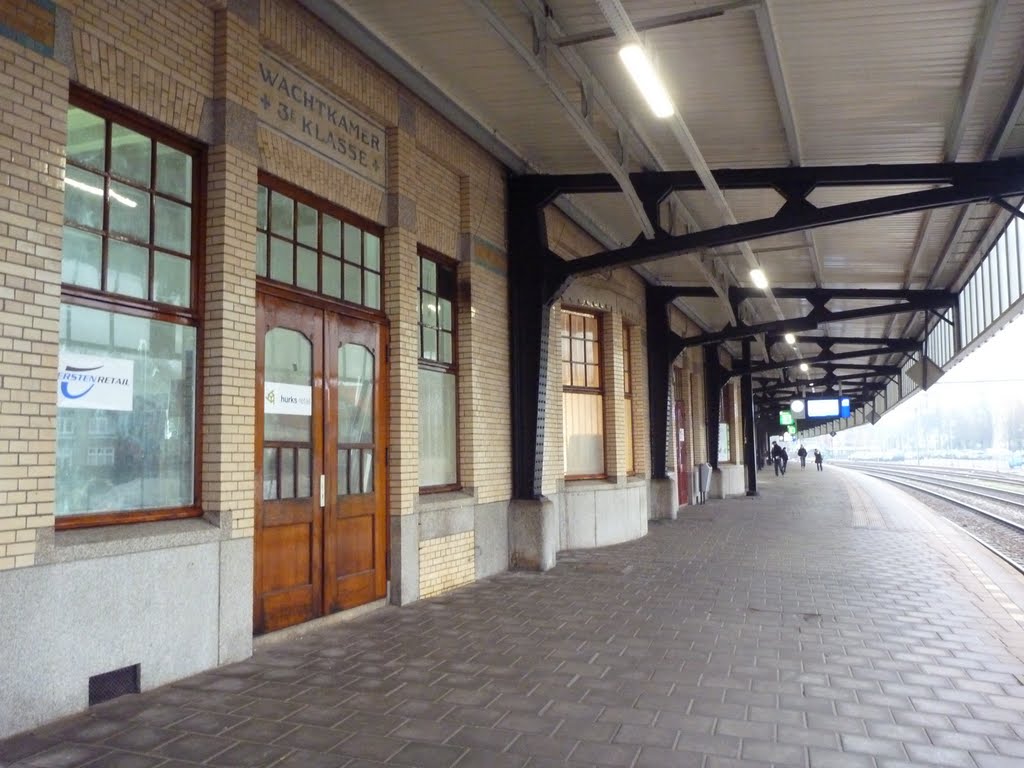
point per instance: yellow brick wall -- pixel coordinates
(284, 158)
(447, 562)
(155, 56)
(641, 411)
(288, 28)
(484, 399)
(438, 202)
(551, 408)
(614, 407)
(32, 144)
(229, 340)
(229, 322)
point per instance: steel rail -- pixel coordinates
(980, 512)
(960, 485)
(926, 469)
(924, 489)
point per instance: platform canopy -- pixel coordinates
(783, 108)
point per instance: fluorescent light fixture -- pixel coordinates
(647, 80)
(127, 201)
(803, 367)
(790, 338)
(759, 278)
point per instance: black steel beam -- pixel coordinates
(742, 331)
(824, 295)
(786, 178)
(820, 315)
(898, 345)
(895, 346)
(1015, 210)
(875, 369)
(947, 300)
(1001, 178)
(663, 346)
(824, 357)
(774, 385)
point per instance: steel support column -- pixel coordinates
(749, 444)
(535, 280)
(663, 346)
(713, 381)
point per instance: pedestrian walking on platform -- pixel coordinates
(818, 458)
(776, 456)
(785, 459)
(802, 453)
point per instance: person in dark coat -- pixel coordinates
(818, 458)
(785, 459)
(776, 456)
(802, 453)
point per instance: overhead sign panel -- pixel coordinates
(823, 408)
(785, 418)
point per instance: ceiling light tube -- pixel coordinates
(790, 338)
(647, 80)
(759, 278)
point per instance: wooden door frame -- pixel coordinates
(316, 453)
(283, 296)
(332, 337)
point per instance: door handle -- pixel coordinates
(323, 490)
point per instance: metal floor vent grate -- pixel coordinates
(110, 685)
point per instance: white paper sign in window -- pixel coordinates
(97, 383)
(291, 399)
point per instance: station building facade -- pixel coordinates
(254, 349)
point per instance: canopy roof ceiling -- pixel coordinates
(756, 84)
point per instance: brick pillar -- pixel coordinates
(641, 408)
(32, 144)
(401, 285)
(229, 319)
(554, 426)
(229, 310)
(614, 407)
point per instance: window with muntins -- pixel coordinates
(127, 371)
(306, 243)
(437, 374)
(582, 396)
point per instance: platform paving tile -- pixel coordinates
(767, 631)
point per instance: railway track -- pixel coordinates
(1001, 532)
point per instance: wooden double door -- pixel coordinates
(321, 537)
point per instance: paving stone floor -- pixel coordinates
(827, 623)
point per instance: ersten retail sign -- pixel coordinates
(292, 104)
(97, 383)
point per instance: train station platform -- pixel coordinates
(830, 622)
